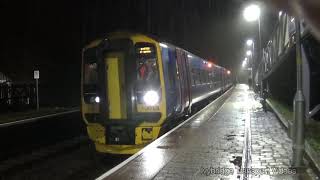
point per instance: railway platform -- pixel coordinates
(237, 140)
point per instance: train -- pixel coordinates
(134, 86)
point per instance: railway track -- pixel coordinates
(69, 159)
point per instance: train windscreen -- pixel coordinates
(148, 82)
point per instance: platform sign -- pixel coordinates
(36, 74)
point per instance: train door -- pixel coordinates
(182, 72)
(112, 75)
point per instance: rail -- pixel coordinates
(28, 120)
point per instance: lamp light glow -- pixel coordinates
(249, 42)
(251, 13)
(280, 13)
(244, 63)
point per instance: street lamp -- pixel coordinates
(244, 63)
(249, 42)
(251, 13)
(249, 53)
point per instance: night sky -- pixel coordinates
(49, 35)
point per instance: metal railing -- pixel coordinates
(15, 95)
(281, 41)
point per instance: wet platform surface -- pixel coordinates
(239, 141)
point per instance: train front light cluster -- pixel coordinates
(95, 99)
(151, 98)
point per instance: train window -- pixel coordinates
(169, 66)
(90, 66)
(196, 76)
(147, 68)
(192, 77)
(147, 71)
(199, 81)
(203, 76)
(210, 77)
(207, 77)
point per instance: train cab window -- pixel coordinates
(147, 72)
(90, 66)
(147, 68)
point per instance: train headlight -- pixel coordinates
(151, 98)
(97, 99)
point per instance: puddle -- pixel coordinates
(230, 137)
(237, 161)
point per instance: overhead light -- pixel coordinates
(244, 63)
(249, 53)
(280, 13)
(251, 13)
(189, 56)
(249, 42)
(228, 72)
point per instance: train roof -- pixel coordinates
(189, 53)
(147, 36)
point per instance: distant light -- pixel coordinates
(209, 65)
(244, 63)
(249, 53)
(145, 49)
(145, 52)
(228, 72)
(189, 56)
(292, 20)
(97, 99)
(204, 62)
(251, 13)
(246, 59)
(163, 45)
(280, 13)
(249, 42)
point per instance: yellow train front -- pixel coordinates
(134, 86)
